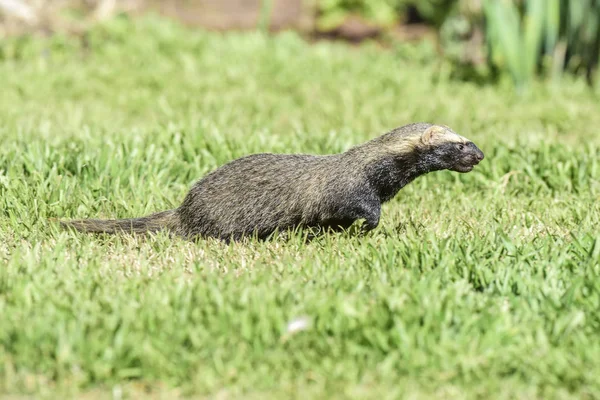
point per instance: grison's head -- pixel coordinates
(442, 148)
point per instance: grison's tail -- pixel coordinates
(166, 220)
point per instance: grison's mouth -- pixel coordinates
(467, 162)
(466, 166)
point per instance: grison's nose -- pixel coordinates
(478, 153)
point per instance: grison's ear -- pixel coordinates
(432, 133)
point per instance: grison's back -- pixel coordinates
(257, 193)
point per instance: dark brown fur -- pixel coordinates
(261, 193)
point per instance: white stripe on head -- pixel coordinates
(436, 134)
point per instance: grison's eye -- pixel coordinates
(461, 146)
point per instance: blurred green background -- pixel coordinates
(483, 40)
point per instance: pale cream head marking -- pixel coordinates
(437, 134)
(406, 139)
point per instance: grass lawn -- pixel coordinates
(480, 285)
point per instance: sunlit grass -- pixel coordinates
(476, 285)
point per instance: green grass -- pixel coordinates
(479, 285)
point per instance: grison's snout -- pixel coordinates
(478, 154)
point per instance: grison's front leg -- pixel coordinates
(370, 213)
(352, 208)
